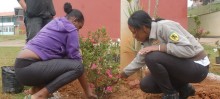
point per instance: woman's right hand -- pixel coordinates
(91, 95)
(148, 49)
(122, 76)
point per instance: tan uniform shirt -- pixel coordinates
(179, 43)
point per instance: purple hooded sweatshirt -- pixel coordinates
(58, 39)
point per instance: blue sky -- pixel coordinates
(9, 5)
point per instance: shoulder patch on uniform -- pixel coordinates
(174, 37)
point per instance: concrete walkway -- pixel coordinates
(210, 41)
(13, 43)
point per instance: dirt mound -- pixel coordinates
(208, 89)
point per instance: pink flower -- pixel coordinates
(110, 76)
(118, 76)
(94, 66)
(109, 89)
(93, 41)
(108, 71)
(201, 30)
(91, 85)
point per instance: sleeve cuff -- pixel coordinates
(124, 75)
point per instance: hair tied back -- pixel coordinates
(67, 7)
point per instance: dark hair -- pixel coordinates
(70, 12)
(158, 19)
(141, 18)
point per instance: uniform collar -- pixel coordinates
(153, 32)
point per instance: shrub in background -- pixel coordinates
(198, 31)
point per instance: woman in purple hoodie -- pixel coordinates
(52, 58)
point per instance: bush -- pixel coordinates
(198, 31)
(101, 60)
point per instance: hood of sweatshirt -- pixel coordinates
(61, 25)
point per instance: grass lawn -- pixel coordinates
(7, 58)
(212, 55)
(204, 9)
(8, 54)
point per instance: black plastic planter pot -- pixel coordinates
(217, 59)
(9, 82)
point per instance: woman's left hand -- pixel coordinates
(90, 95)
(148, 49)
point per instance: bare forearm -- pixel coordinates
(163, 48)
(23, 4)
(86, 88)
(84, 83)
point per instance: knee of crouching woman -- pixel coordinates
(80, 69)
(144, 87)
(152, 56)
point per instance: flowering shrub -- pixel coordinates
(101, 60)
(198, 31)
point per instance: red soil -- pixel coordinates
(208, 89)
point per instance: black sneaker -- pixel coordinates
(186, 91)
(171, 96)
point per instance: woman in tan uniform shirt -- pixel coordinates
(173, 56)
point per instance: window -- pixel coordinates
(5, 29)
(11, 29)
(7, 19)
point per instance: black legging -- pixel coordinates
(52, 74)
(169, 73)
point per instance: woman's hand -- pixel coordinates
(149, 49)
(121, 76)
(90, 95)
(86, 88)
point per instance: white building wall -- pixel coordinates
(7, 28)
(211, 22)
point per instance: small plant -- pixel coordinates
(101, 60)
(132, 8)
(198, 31)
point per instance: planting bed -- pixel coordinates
(208, 89)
